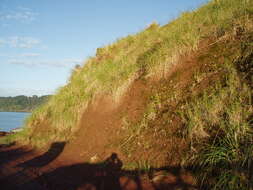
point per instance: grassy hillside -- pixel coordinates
(21, 103)
(198, 108)
(150, 52)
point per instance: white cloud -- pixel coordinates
(30, 55)
(24, 91)
(62, 63)
(24, 55)
(21, 14)
(24, 8)
(22, 42)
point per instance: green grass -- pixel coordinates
(142, 165)
(133, 132)
(221, 133)
(149, 53)
(216, 118)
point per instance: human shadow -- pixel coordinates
(103, 175)
(53, 152)
(107, 175)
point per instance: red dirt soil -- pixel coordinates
(68, 166)
(24, 169)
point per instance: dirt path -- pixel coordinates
(14, 177)
(23, 169)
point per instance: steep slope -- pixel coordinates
(179, 94)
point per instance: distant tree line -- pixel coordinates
(21, 103)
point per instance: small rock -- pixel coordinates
(94, 159)
(158, 178)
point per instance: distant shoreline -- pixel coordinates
(22, 103)
(4, 133)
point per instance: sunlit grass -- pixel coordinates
(149, 53)
(217, 118)
(221, 134)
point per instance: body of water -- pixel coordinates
(12, 120)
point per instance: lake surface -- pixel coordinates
(12, 120)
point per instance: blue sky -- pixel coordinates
(42, 40)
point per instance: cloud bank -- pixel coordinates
(30, 55)
(21, 14)
(24, 91)
(20, 42)
(23, 42)
(61, 63)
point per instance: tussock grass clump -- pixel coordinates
(150, 53)
(219, 125)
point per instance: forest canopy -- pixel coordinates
(21, 103)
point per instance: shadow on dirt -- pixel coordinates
(99, 176)
(54, 151)
(8, 155)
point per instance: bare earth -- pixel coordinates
(21, 168)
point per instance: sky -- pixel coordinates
(42, 40)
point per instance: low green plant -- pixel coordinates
(221, 134)
(135, 131)
(143, 166)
